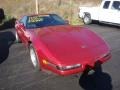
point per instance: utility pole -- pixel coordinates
(59, 2)
(37, 7)
(70, 11)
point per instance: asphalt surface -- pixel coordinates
(17, 73)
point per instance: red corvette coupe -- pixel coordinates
(56, 46)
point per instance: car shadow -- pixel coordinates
(96, 81)
(2, 15)
(8, 24)
(7, 38)
(4, 23)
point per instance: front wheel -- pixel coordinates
(87, 19)
(34, 58)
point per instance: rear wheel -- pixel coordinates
(34, 58)
(87, 19)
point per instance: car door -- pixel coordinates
(104, 11)
(114, 14)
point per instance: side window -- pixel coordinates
(116, 5)
(106, 5)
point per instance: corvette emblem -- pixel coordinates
(83, 46)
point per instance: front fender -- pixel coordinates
(43, 52)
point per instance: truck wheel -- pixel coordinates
(87, 19)
(34, 58)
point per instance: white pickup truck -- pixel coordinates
(108, 12)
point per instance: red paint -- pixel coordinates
(66, 45)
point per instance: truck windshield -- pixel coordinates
(116, 5)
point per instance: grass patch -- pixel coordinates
(68, 9)
(77, 21)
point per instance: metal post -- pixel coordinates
(70, 11)
(37, 6)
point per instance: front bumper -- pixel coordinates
(82, 68)
(70, 72)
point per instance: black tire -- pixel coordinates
(34, 58)
(87, 19)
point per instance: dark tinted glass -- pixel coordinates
(106, 5)
(116, 5)
(40, 21)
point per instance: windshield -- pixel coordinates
(116, 5)
(43, 21)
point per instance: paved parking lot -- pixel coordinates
(17, 73)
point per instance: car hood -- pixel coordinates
(72, 44)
